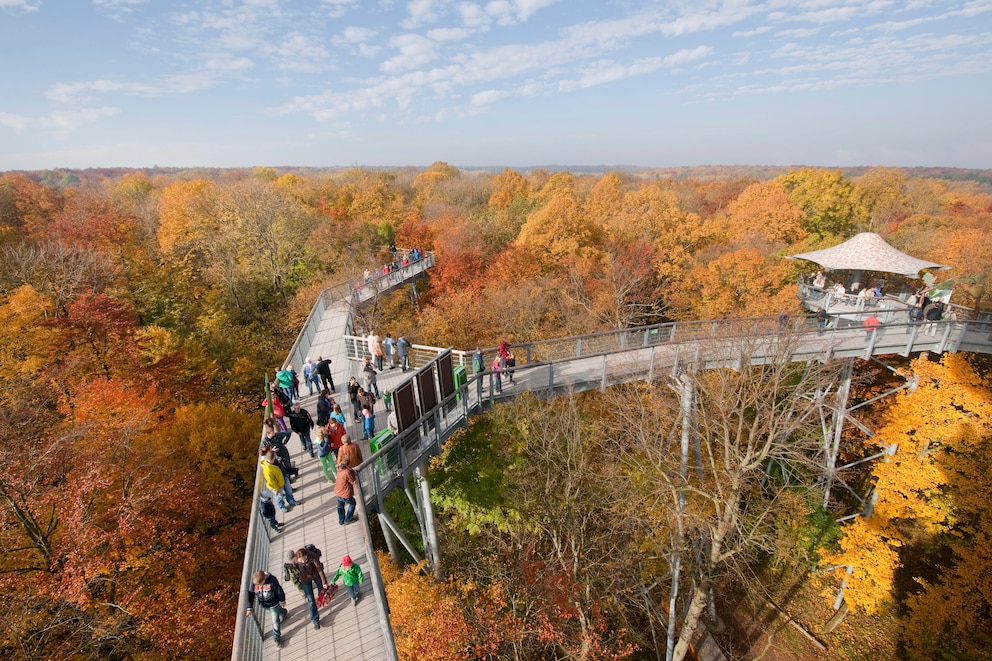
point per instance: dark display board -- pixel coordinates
(445, 375)
(406, 405)
(425, 390)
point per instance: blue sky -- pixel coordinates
(101, 83)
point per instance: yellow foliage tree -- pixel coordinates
(765, 210)
(560, 229)
(738, 284)
(509, 184)
(936, 483)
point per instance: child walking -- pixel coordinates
(352, 576)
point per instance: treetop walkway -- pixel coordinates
(441, 393)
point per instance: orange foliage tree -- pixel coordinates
(934, 488)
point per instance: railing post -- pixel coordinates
(602, 386)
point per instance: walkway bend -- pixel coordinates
(548, 367)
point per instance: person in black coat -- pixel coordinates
(324, 372)
(301, 422)
(324, 407)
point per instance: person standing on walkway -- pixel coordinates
(269, 512)
(390, 345)
(309, 374)
(503, 352)
(379, 353)
(366, 398)
(278, 410)
(312, 578)
(368, 422)
(821, 321)
(370, 376)
(326, 456)
(870, 324)
(372, 341)
(323, 368)
(344, 489)
(301, 422)
(334, 432)
(337, 414)
(274, 473)
(403, 351)
(266, 590)
(349, 451)
(273, 478)
(497, 370)
(323, 408)
(352, 576)
(284, 379)
(353, 390)
(478, 362)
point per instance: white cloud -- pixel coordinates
(81, 93)
(752, 33)
(414, 50)
(448, 34)
(16, 122)
(798, 33)
(118, 7)
(487, 97)
(354, 35)
(610, 72)
(511, 12)
(61, 123)
(20, 5)
(298, 52)
(338, 8)
(473, 16)
(423, 11)
(228, 63)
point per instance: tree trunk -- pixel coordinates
(690, 622)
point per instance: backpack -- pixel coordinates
(313, 551)
(291, 574)
(323, 449)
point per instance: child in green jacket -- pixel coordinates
(352, 575)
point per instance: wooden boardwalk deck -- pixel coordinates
(347, 631)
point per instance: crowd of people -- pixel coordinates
(921, 307)
(400, 259)
(324, 437)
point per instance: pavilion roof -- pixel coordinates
(868, 252)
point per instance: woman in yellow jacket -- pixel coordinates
(273, 478)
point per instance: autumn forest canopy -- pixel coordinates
(142, 311)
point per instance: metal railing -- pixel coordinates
(248, 639)
(600, 360)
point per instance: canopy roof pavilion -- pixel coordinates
(868, 252)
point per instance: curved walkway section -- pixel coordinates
(444, 396)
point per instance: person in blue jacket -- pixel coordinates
(266, 590)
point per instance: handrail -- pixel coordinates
(384, 470)
(246, 645)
